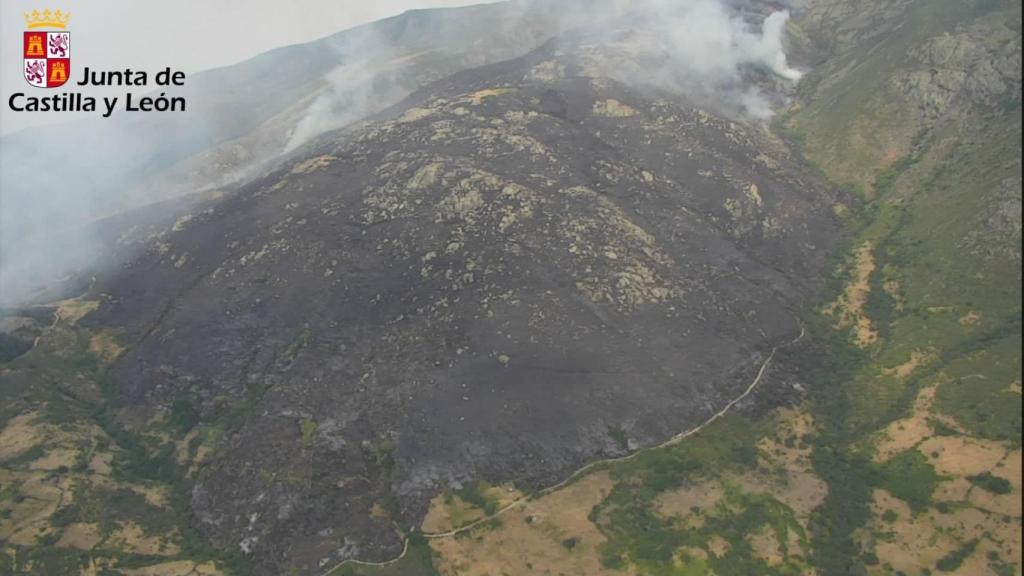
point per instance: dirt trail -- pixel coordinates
(585, 469)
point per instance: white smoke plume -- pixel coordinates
(699, 48)
(711, 48)
(369, 79)
(707, 46)
(704, 50)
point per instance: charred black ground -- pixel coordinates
(520, 269)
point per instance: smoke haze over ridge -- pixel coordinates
(700, 48)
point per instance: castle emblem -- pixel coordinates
(47, 53)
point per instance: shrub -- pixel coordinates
(994, 484)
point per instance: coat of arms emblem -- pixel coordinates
(47, 54)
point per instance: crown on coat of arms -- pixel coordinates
(47, 19)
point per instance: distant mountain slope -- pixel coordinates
(918, 106)
(56, 178)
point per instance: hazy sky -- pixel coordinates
(190, 35)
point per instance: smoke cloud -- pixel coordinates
(724, 56)
(698, 47)
(711, 49)
(727, 55)
(372, 77)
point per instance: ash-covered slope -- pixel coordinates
(239, 117)
(520, 269)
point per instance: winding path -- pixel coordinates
(585, 469)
